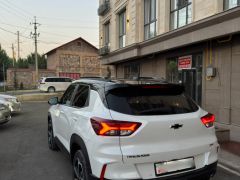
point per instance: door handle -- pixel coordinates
(75, 119)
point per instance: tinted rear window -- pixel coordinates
(150, 101)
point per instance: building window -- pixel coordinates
(228, 4)
(131, 71)
(149, 19)
(181, 13)
(122, 29)
(107, 34)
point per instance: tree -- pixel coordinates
(42, 61)
(5, 61)
(22, 63)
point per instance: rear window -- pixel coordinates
(150, 100)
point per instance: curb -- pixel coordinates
(38, 97)
(229, 161)
(229, 165)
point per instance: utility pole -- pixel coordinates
(18, 43)
(15, 73)
(35, 35)
(4, 79)
(13, 55)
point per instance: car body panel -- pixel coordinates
(11, 101)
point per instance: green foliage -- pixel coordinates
(30, 60)
(5, 63)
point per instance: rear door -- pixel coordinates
(171, 127)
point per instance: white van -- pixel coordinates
(52, 84)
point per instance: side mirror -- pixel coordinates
(53, 101)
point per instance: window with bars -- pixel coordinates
(228, 4)
(122, 29)
(107, 34)
(181, 13)
(149, 19)
(131, 71)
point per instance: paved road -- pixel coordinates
(24, 153)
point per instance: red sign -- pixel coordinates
(70, 75)
(185, 62)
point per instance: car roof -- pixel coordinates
(54, 77)
(106, 84)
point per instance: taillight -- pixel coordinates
(104, 127)
(208, 120)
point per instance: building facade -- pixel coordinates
(194, 42)
(76, 59)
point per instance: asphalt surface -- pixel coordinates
(24, 153)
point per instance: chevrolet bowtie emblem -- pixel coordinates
(176, 126)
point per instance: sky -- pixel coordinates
(60, 22)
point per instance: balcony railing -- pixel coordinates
(104, 50)
(104, 8)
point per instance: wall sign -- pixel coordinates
(185, 62)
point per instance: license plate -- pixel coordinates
(174, 166)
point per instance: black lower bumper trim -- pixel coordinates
(199, 174)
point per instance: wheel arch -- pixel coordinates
(51, 87)
(77, 143)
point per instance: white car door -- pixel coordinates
(64, 124)
(70, 112)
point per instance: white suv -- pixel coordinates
(120, 131)
(52, 84)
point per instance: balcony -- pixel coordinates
(104, 8)
(104, 50)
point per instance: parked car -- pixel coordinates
(11, 101)
(52, 84)
(121, 131)
(5, 114)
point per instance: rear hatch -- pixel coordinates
(171, 128)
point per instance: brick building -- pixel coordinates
(75, 59)
(195, 42)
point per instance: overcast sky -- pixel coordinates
(60, 21)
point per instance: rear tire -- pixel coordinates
(51, 89)
(81, 168)
(51, 141)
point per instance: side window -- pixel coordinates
(66, 99)
(61, 80)
(48, 80)
(68, 80)
(81, 98)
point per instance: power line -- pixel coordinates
(65, 19)
(17, 7)
(71, 27)
(15, 26)
(10, 10)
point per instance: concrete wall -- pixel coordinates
(26, 77)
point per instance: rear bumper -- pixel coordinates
(199, 174)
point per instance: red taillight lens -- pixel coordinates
(208, 120)
(104, 127)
